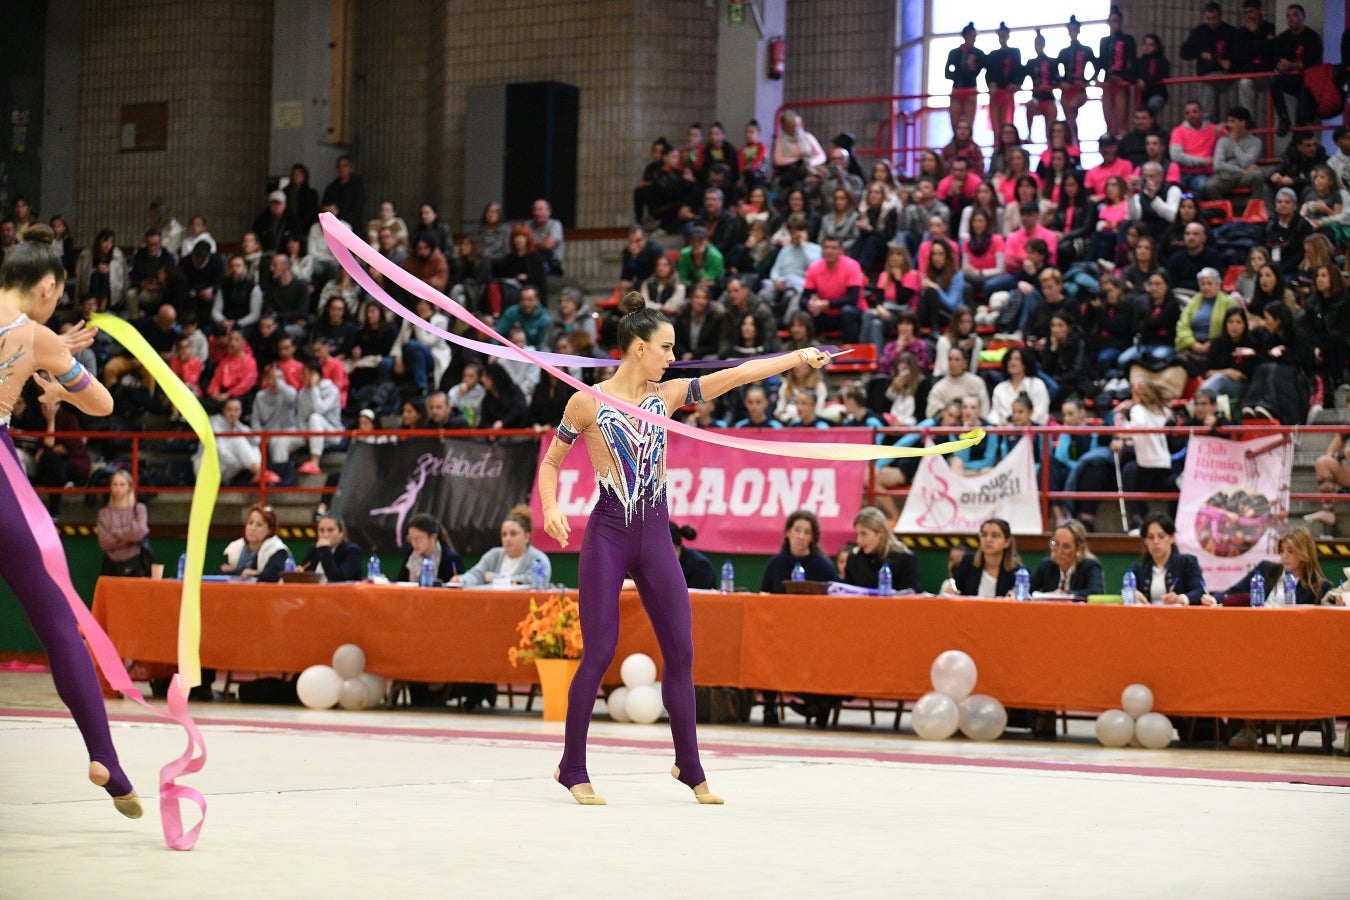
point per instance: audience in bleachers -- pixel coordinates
(1085, 272)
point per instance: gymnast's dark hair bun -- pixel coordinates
(39, 234)
(632, 302)
(681, 533)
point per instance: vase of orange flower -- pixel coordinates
(550, 637)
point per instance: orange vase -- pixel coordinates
(555, 679)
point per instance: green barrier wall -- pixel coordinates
(86, 558)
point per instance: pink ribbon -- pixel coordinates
(345, 244)
(105, 654)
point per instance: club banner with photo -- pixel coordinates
(736, 500)
(1234, 504)
(468, 486)
(943, 502)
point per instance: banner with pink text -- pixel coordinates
(1234, 504)
(737, 501)
(943, 502)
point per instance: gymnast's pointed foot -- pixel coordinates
(701, 792)
(582, 793)
(128, 804)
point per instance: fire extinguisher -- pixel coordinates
(777, 58)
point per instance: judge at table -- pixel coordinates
(332, 555)
(1070, 568)
(514, 560)
(428, 539)
(1163, 576)
(259, 553)
(991, 570)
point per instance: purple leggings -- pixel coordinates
(43, 601)
(612, 548)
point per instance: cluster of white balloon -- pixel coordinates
(951, 705)
(345, 683)
(639, 700)
(1136, 722)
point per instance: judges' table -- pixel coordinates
(446, 634)
(1254, 663)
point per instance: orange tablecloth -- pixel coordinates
(1262, 663)
(406, 633)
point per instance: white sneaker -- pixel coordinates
(1313, 413)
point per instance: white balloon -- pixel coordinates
(376, 689)
(1115, 727)
(319, 686)
(983, 718)
(953, 673)
(643, 704)
(349, 660)
(935, 717)
(616, 703)
(1137, 700)
(638, 670)
(1154, 730)
(354, 694)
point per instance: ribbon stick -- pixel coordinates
(189, 610)
(346, 246)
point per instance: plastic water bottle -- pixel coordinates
(1022, 584)
(1258, 591)
(884, 586)
(373, 567)
(182, 566)
(798, 573)
(289, 566)
(1290, 589)
(428, 577)
(1127, 589)
(728, 578)
(538, 580)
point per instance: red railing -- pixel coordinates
(899, 139)
(1046, 436)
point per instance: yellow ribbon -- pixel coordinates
(203, 498)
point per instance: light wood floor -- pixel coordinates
(414, 804)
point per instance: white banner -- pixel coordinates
(942, 502)
(1234, 504)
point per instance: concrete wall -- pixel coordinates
(644, 68)
(211, 62)
(59, 100)
(301, 73)
(838, 52)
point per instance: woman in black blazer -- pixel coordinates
(877, 545)
(338, 558)
(1163, 576)
(1298, 554)
(996, 560)
(1069, 568)
(801, 545)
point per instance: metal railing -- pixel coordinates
(900, 138)
(1044, 435)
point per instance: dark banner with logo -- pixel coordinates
(469, 486)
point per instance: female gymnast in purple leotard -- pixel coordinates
(628, 534)
(31, 280)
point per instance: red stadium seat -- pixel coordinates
(1221, 206)
(1255, 213)
(1230, 277)
(862, 359)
